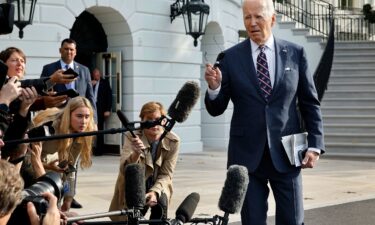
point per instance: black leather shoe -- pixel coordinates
(75, 204)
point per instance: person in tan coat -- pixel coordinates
(158, 169)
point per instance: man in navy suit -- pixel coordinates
(103, 98)
(272, 91)
(83, 82)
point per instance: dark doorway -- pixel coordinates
(89, 34)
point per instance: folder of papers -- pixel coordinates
(294, 144)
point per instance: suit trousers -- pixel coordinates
(287, 191)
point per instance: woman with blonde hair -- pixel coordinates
(63, 155)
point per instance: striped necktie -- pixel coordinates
(263, 73)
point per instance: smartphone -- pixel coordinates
(63, 164)
(71, 71)
(71, 93)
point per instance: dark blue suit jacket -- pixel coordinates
(104, 97)
(82, 84)
(255, 122)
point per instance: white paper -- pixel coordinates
(293, 144)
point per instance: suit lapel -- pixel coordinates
(281, 52)
(58, 65)
(249, 68)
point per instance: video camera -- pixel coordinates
(38, 84)
(49, 182)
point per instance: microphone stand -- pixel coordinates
(215, 220)
(133, 214)
(99, 215)
(160, 221)
(63, 136)
(224, 220)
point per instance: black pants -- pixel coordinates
(159, 211)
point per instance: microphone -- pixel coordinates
(182, 105)
(186, 209)
(234, 191)
(151, 123)
(135, 199)
(125, 122)
(135, 186)
(218, 59)
(185, 100)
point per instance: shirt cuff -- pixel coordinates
(315, 150)
(212, 94)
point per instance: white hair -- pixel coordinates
(267, 6)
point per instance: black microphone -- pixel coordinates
(186, 209)
(182, 105)
(151, 123)
(234, 191)
(125, 122)
(135, 186)
(218, 59)
(142, 124)
(184, 102)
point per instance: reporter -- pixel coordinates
(28, 99)
(9, 92)
(32, 166)
(52, 216)
(15, 59)
(159, 157)
(75, 117)
(11, 186)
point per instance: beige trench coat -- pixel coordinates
(165, 164)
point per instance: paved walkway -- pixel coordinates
(334, 181)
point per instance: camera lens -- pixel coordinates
(38, 84)
(50, 182)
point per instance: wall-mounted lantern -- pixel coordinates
(195, 14)
(24, 13)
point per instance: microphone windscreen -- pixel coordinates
(135, 186)
(186, 209)
(184, 102)
(234, 190)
